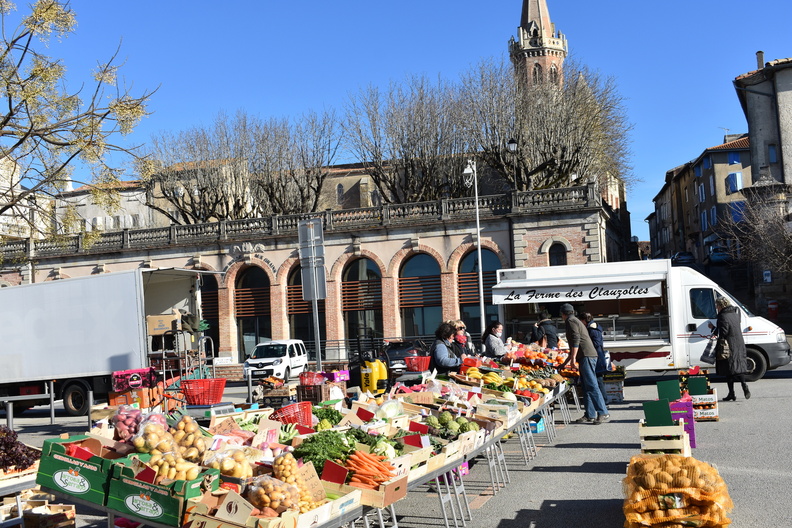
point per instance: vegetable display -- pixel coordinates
(286, 469)
(368, 471)
(324, 445)
(329, 414)
(13, 453)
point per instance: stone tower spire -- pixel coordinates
(539, 50)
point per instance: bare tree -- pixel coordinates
(45, 130)
(240, 168)
(576, 129)
(759, 228)
(410, 139)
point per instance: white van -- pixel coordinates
(282, 359)
(654, 315)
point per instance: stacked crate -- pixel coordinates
(664, 439)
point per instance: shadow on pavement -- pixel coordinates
(586, 445)
(566, 513)
(587, 467)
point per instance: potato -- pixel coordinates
(192, 473)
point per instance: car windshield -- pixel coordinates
(269, 350)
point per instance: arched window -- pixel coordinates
(361, 303)
(554, 74)
(340, 194)
(252, 309)
(420, 296)
(557, 254)
(537, 73)
(300, 312)
(469, 306)
(210, 312)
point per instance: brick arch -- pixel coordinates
(545, 247)
(403, 254)
(229, 280)
(285, 268)
(53, 276)
(459, 253)
(5, 284)
(336, 273)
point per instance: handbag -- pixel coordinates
(709, 353)
(723, 350)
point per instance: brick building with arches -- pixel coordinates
(391, 271)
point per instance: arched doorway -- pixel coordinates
(361, 303)
(300, 313)
(209, 312)
(252, 309)
(420, 296)
(469, 306)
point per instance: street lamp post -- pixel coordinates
(471, 178)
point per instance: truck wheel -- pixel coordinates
(75, 400)
(757, 365)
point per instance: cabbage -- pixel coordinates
(384, 448)
(389, 409)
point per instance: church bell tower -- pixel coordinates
(539, 50)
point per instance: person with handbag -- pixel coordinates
(731, 359)
(544, 331)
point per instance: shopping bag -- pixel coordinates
(709, 352)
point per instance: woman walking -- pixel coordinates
(731, 359)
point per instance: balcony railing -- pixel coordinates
(551, 200)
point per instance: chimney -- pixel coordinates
(760, 63)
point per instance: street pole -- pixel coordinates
(471, 170)
(315, 301)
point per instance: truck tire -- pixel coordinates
(757, 365)
(75, 400)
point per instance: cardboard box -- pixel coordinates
(159, 324)
(705, 415)
(50, 516)
(706, 399)
(222, 509)
(387, 493)
(163, 503)
(85, 471)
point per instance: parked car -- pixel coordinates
(683, 258)
(395, 352)
(719, 255)
(282, 359)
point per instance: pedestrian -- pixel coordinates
(731, 359)
(582, 349)
(463, 343)
(442, 352)
(493, 343)
(544, 331)
(595, 333)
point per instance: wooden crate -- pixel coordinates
(671, 439)
(318, 393)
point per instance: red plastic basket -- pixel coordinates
(203, 391)
(296, 413)
(417, 363)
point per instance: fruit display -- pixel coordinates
(674, 490)
(286, 469)
(267, 492)
(231, 463)
(189, 439)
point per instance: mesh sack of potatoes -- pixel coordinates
(674, 491)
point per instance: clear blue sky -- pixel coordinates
(673, 61)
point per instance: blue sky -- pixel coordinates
(673, 61)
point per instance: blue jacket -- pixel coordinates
(443, 357)
(595, 333)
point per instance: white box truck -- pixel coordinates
(654, 315)
(77, 332)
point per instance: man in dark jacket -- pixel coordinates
(545, 328)
(582, 350)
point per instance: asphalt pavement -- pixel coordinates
(577, 481)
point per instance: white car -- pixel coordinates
(282, 359)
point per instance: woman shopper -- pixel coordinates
(442, 351)
(493, 344)
(544, 331)
(462, 342)
(730, 357)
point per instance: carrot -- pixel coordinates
(361, 485)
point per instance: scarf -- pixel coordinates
(461, 338)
